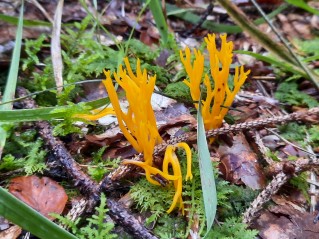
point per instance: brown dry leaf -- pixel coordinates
(287, 220)
(244, 113)
(290, 150)
(92, 91)
(11, 233)
(121, 149)
(295, 26)
(239, 164)
(4, 224)
(314, 118)
(106, 138)
(147, 39)
(42, 194)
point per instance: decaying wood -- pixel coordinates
(83, 182)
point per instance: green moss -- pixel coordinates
(178, 91)
(287, 92)
(232, 228)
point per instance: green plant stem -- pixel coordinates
(159, 18)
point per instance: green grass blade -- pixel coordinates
(11, 84)
(206, 173)
(26, 115)
(273, 61)
(24, 216)
(28, 23)
(157, 11)
(302, 4)
(44, 113)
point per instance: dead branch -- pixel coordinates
(288, 170)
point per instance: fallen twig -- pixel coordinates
(288, 170)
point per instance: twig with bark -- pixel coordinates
(286, 171)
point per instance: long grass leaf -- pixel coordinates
(47, 113)
(273, 61)
(26, 115)
(206, 173)
(159, 18)
(28, 23)
(24, 216)
(242, 20)
(11, 84)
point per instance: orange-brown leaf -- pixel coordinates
(42, 194)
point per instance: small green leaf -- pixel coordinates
(206, 172)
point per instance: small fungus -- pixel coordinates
(221, 96)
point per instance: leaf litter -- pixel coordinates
(239, 163)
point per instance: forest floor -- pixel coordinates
(63, 150)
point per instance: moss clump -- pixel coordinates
(179, 91)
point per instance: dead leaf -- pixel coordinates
(11, 233)
(290, 150)
(106, 138)
(161, 60)
(239, 164)
(147, 39)
(286, 220)
(4, 224)
(42, 194)
(121, 149)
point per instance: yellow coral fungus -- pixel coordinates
(149, 170)
(170, 158)
(220, 98)
(138, 125)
